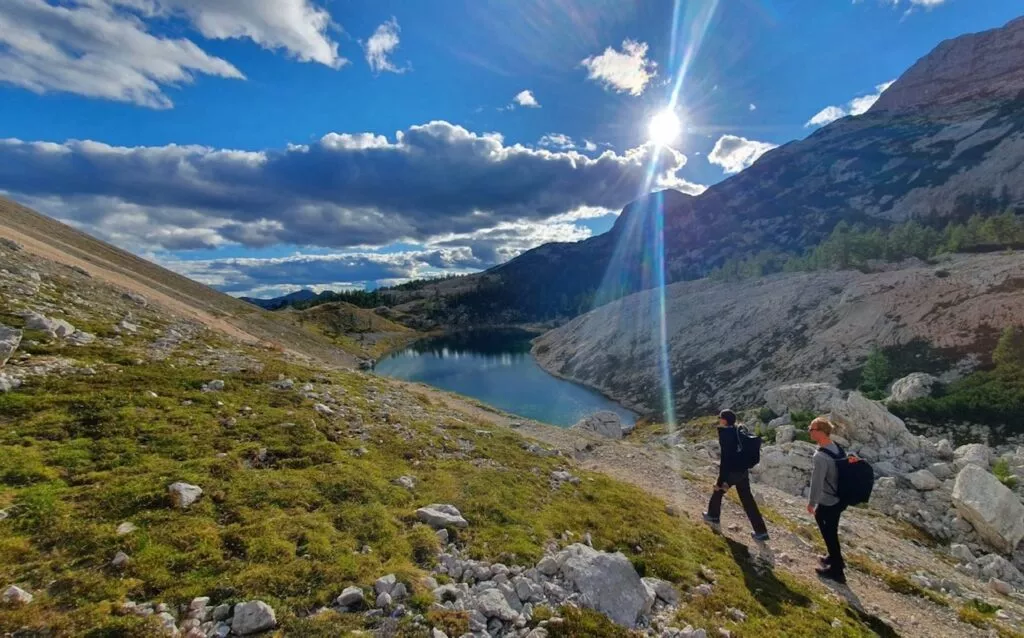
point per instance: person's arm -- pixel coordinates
(724, 456)
(817, 480)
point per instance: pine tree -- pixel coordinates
(1009, 352)
(875, 378)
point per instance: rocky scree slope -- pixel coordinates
(730, 342)
(945, 141)
(159, 478)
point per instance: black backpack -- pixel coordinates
(748, 448)
(856, 478)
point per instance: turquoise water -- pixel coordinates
(496, 367)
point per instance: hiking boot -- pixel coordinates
(834, 575)
(760, 538)
(825, 560)
(709, 520)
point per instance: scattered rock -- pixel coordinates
(323, 410)
(407, 482)
(913, 386)
(441, 515)
(1000, 586)
(126, 528)
(216, 385)
(442, 536)
(253, 617)
(55, 328)
(79, 338)
(662, 590)
(351, 598)
(784, 434)
(492, 603)
(135, 298)
(10, 339)
(802, 397)
(120, 561)
(972, 454)
(10, 244)
(16, 596)
(961, 552)
(945, 450)
(608, 583)
(604, 423)
(8, 383)
(183, 495)
(995, 512)
(924, 481)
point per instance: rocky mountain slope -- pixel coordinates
(945, 141)
(162, 476)
(727, 343)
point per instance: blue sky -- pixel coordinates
(265, 146)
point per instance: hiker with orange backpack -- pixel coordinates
(837, 482)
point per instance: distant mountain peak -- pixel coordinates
(979, 66)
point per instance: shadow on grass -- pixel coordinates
(775, 595)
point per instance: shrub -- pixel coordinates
(1001, 469)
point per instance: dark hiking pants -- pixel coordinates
(741, 481)
(827, 517)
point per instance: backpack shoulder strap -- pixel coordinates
(839, 457)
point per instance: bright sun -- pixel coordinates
(664, 128)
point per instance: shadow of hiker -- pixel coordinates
(773, 594)
(855, 610)
(760, 579)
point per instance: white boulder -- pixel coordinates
(995, 512)
(492, 603)
(183, 495)
(8, 383)
(253, 617)
(972, 454)
(944, 449)
(351, 598)
(786, 467)
(784, 434)
(10, 339)
(803, 397)
(607, 583)
(441, 515)
(913, 386)
(16, 596)
(604, 423)
(924, 481)
(56, 328)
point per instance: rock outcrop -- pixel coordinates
(183, 495)
(441, 516)
(913, 386)
(604, 423)
(994, 511)
(607, 582)
(10, 339)
(780, 329)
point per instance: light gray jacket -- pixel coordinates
(824, 478)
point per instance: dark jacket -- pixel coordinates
(730, 463)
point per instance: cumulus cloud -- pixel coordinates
(381, 45)
(625, 71)
(752, 107)
(734, 153)
(559, 141)
(857, 106)
(343, 191)
(104, 48)
(524, 99)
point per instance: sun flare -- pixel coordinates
(664, 128)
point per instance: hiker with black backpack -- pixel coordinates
(740, 452)
(837, 482)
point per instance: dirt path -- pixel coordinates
(656, 471)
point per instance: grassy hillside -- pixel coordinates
(354, 329)
(296, 505)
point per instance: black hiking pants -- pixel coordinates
(741, 481)
(827, 517)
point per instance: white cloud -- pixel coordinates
(104, 48)
(339, 192)
(525, 99)
(752, 107)
(557, 140)
(381, 45)
(626, 71)
(857, 106)
(589, 146)
(734, 153)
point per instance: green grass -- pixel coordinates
(1001, 470)
(81, 454)
(895, 581)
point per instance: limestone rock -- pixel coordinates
(663, 590)
(8, 383)
(253, 617)
(995, 512)
(961, 552)
(924, 481)
(972, 454)
(56, 328)
(786, 467)
(604, 423)
(441, 515)
(608, 583)
(120, 560)
(216, 385)
(183, 495)
(492, 603)
(125, 528)
(10, 339)
(351, 598)
(913, 386)
(944, 449)
(802, 397)
(1000, 586)
(784, 434)
(79, 338)
(16, 596)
